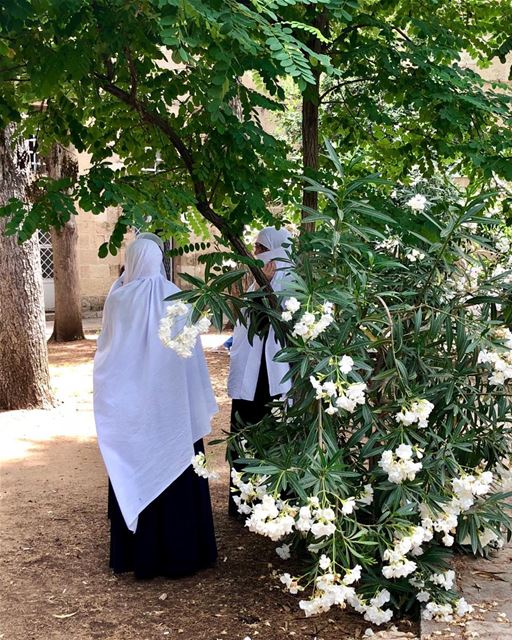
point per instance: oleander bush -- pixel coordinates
(392, 448)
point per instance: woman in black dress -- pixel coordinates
(255, 379)
(152, 409)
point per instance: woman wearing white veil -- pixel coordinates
(255, 379)
(152, 409)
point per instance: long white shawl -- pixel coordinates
(246, 358)
(150, 405)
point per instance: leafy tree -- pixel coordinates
(127, 79)
(400, 94)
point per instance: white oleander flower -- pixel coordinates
(348, 506)
(200, 466)
(462, 607)
(367, 496)
(184, 341)
(352, 575)
(292, 305)
(399, 465)
(419, 411)
(391, 245)
(445, 580)
(423, 596)
(346, 364)
(292, 584)
(502, 244)
(418, 202)
(414, 255)
(440, 612)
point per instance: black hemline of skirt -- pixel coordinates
(175, 535)
(250, 412)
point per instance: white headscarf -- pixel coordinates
(147, 235)
(246, 358)
(150, 405)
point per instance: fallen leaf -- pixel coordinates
(61, 616)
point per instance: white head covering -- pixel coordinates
(277, 241)
(150, 405)
(147, 235)
(245, 358)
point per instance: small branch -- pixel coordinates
(402, 33)
(133, 75)
(342, 84)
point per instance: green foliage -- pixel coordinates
(408, 88)
(124, 80)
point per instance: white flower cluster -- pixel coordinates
(414, 255)
(399, 566)
(466, 489)
(501, 362)
(200, 466)
(271, 518)
(502, 273)
(250, 491)
(291, 583)
(501, 243)
(330, 590)
(418, 202)
(366, 497)
(320, 521)
(340, 395)
(464, 282)
(445, 580)
(419, 412)
(291, 305)
(184, 341)
(445, 612)
(309, 325)
(399, 464)
(372, 611)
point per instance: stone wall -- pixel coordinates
(96, 274)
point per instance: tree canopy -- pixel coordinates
(168, 81)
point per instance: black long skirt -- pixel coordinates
(175, 535)
(250, 412)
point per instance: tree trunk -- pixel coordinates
(310, 146)
(310, 118)
(24, 374)
(61, 163)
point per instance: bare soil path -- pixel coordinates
(55, 583)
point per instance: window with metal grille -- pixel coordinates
(31, 145)
(45, 248)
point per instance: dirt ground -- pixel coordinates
(55, 583)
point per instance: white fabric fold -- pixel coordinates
(245, 358)
(150, 405)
